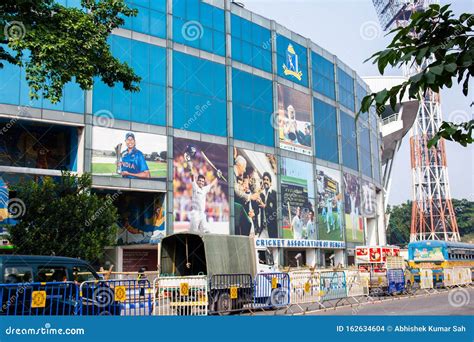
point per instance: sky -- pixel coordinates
(350, 30)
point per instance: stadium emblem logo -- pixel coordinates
(291, 66)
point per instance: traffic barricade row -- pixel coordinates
(202, 295)
(180, 296)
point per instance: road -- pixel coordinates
(455, 302)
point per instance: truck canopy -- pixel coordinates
(187, 254)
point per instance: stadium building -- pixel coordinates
(241, 126)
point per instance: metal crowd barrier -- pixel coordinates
(39, 299)
(357, 284)
(333, 285)
(272, 290)
(396, 281)
(463, 275)
(116, 297)
(230, 293)
(180, 296)
(304, 287)
(426, 278)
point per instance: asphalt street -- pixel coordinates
(453, 302)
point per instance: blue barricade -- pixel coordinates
(396, 280)
(39, 299)
(272, 290)
(116, 298)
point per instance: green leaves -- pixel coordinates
(60, 44)
(461, 133)
(439, 49)
(63, 217)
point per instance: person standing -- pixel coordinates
(268, 204)
(132, 162)
(297, 225)
(198, 201)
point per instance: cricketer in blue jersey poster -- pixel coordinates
(128, 154)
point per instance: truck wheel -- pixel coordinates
(224, 304)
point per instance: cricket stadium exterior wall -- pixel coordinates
(240, 127)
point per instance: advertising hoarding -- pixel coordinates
(353, 219)
(330, 211)
(255, 198)
(369, 205)
(128, 154)
(294, 120)
(200, 188)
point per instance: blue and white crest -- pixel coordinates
(291, 67)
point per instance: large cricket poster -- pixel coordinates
(255, 199)
(330, 211)
(294, 120)
(128, 154)
(353, 219)
(297, 197)
(200, 188)
(369, 205)
(142, 217)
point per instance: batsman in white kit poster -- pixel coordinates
(200, 187)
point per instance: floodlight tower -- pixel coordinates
(433, 216)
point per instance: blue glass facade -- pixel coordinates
(349, 141)
(197, 83)
(251, 43)
(364, 150)
(150, 19)
(325, 131)
(149, 104)
(346, 89)
(199, 25)
(323, 76)
(252, 107)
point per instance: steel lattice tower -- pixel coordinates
(433, 216)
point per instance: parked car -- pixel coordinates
(60, 278)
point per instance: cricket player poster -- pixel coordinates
(128, 154)
(294, 120)
(141, 218)
(330, 210)
(353, 219)
(297, 199)
(369, 206)
(255, 199)
(200, 187)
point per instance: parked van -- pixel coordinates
(60, 278)
(40, 268)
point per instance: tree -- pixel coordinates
(442, 48)
(398, 231)
(63, 218)
(57, 44)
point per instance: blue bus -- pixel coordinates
(438, 255)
